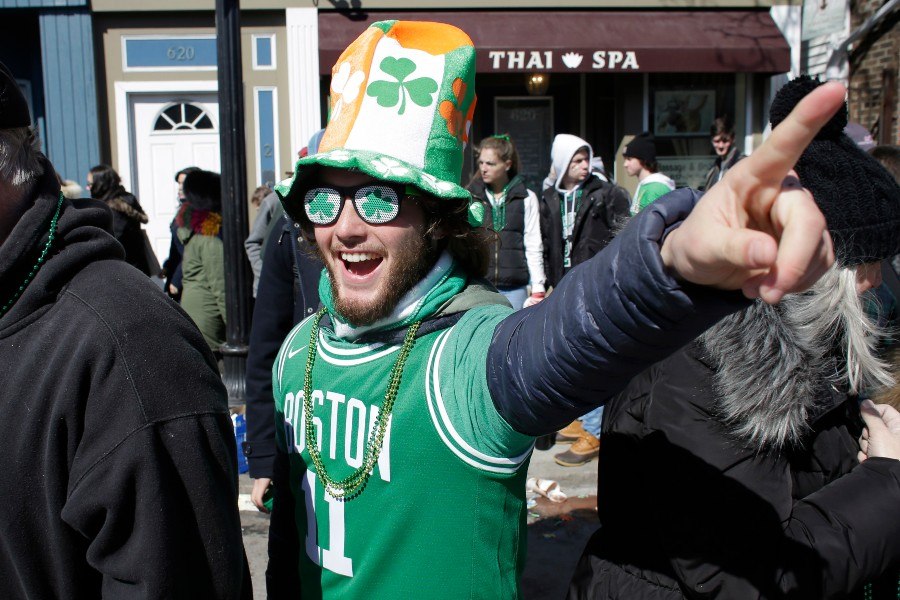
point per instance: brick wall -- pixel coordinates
(867, 64)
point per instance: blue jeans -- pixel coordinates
(591, 421)
(516, 296)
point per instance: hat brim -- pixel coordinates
(375, 164)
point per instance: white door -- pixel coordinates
(171, 132)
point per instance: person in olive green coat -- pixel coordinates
(199, 222)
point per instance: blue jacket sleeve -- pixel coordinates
(606, 321)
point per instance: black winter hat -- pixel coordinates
(859, 198)
(642, 147)
(203, 190)
(13, 107)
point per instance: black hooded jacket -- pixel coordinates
(288, 293)
(688, 511)
(602, 206)
(118, 479)
(128, 216)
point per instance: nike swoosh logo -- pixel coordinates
(295, 352)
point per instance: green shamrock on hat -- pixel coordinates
(389, 93)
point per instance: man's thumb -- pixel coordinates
(873, 418)
(748, 249)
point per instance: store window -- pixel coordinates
(682, 108)
(183, 116)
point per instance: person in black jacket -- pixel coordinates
(579, 212)
(117, 479)
(727, 153)
(515, 258)
(732, 468)
(128, 215)
(287, 294)
(171, 269)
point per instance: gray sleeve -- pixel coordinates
(268, 210)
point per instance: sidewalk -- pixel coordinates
(556, 532)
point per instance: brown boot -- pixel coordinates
(583, 451)
(570, 433)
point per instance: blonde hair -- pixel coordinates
(259, 194)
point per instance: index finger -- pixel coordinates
(805, 250)
(779, 153)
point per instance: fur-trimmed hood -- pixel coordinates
(127, 206)
(777, 366)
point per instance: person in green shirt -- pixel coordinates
(640, 162)
(406, 408)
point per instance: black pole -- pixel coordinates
(234, 198)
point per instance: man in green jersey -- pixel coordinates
(406, 408)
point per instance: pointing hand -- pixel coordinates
(758, 230)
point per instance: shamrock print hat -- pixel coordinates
(402, 99)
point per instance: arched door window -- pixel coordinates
(183, 116)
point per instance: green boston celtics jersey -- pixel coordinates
(443, 513)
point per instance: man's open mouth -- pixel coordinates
(360, 264)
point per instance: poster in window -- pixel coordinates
(683, 112)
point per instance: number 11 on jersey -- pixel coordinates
(333, 557)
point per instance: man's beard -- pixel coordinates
(409, 265)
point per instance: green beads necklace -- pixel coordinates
(40, 260)
(353, 485)
(867, 590)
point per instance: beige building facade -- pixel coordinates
(602, 70)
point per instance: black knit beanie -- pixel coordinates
(13, 107)
(859, 198)
(203, 190)
(642, 147)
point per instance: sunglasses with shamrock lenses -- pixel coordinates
(375, 203)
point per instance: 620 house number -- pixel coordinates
(180, 53)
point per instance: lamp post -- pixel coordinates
(234, 201)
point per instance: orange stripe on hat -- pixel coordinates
(434, 38)
(359, 56)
